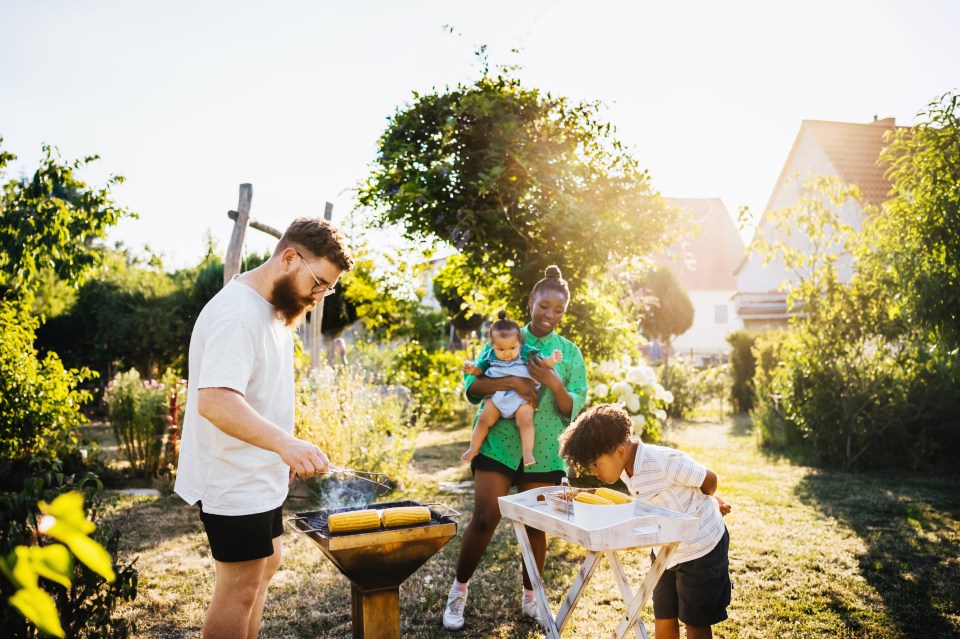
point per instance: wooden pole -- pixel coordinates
(256, 224)
(231, 265)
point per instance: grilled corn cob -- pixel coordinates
(353, 521)
(590, 498)
(405, 516)
(613, 495)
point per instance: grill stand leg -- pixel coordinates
(376, 613)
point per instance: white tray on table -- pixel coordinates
(600, 527)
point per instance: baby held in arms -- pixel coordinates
(506, 357)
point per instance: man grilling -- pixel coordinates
(238, 452)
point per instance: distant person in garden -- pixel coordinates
(506, 357)
(695, 589)
(499, 465)
(238, 452)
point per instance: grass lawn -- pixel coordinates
(813, 554)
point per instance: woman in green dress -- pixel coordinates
(499, 466)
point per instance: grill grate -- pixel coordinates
(317, 519)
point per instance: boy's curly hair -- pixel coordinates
(597, 431)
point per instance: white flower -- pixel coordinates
(642, 375)
(600, 390)
(625, 361)
(638, 420)
(633, 402)
(659, 392)
(635, 374)
(620, 389)
(607, 367)
(668, 397)
(660, 414)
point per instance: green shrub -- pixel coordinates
(683, 380)
(434, 378)
(742, 368)
(768, 384)
(358, 423)
(139, 412)
(87, 608)
(39, 400)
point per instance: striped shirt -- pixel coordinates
(670, 479)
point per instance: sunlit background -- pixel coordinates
(187, 100)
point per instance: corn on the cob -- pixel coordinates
(613, 495)
(589, 498)
(353, 521)
(405, 516)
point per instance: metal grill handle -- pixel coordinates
(455, 513)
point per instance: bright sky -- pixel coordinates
(189, 99)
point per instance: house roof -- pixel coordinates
(707, 257)
(853, 150)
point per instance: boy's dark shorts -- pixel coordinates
(242, 537)
(696, 591)
(516, 475)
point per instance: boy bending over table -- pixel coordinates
(695, 588)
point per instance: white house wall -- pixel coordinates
(807, 160)
(707, 336)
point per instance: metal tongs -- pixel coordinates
(377, 479)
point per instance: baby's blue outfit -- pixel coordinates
(508, 401)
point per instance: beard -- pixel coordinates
(289, 305)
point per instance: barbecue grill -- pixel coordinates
(376, 562)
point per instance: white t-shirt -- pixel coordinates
(239, 343)
(668, 478)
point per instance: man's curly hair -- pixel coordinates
(597, 431)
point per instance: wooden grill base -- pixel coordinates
(376, 613)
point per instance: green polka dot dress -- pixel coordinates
(503, 441)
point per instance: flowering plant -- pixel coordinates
(635, 388)
(145, 416)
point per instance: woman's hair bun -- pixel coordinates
(552, 272)
(501, 315)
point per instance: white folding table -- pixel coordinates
(602, 533)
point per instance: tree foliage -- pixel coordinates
(446, 289)
(516, 180)
(671, 313)
(920, 229)
(53, 220)
(39, 400)
(864, 378)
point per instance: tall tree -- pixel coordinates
(920, 227)
(671, 311)
(517, 180)
(52, 220)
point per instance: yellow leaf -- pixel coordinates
(24, 574)
(93, 555)
(67, 509)
(39, 608)
(53, 562)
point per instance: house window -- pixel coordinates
(720, 314)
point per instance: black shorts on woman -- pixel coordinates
(516, 475)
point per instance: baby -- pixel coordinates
(506, 357)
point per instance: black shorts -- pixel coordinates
(242, 537)
(517, 475)
(696, 591)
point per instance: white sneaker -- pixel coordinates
(453, 613)
(530, 609)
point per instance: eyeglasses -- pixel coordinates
(326, 289)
